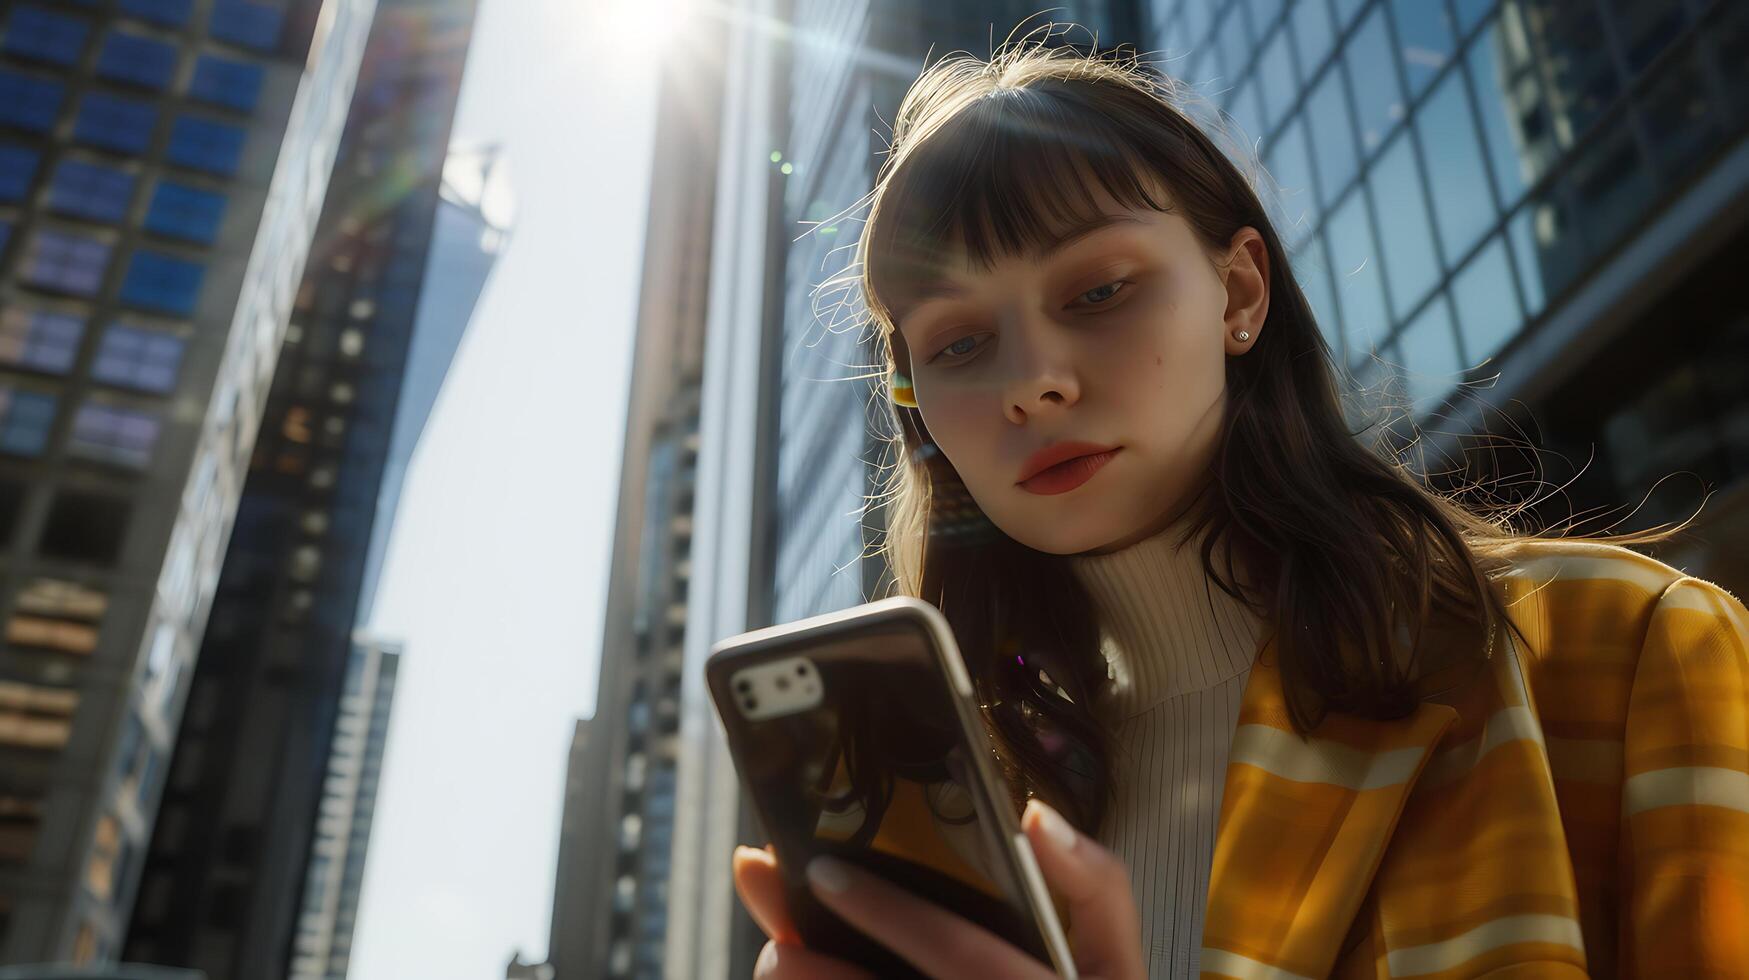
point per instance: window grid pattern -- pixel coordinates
(224, 82)
(117, 436)
(168, 13)
(144, 360)
(1547, 134)
(162, 283)
(30, 103)
(205, 145)
(137, 60)
(178, 211)
(92, 191)
(35, 33)
(17, 170)
(254, 25)
(40, 340)
(113, 123)
(64, 263)
(25, 420)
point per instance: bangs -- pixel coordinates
(1004, 178)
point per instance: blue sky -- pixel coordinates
(495, 576)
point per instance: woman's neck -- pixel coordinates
(1167, 628)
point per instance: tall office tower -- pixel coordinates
(162, 165)
(580, 854)
(789, 450)
(1548, 193)
(611, 905)
(475, 209)
(220, 888)
(334, 874)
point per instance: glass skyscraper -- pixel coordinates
(162, 164)
(334, 873)
(246, 792)
(1531, 198)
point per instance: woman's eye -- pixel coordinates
(1100, 294)
(960, 347)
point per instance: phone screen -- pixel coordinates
(853, 747)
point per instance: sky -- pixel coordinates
(495, 576)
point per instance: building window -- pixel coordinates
(11, 500)
(84, 527)
(162, 283)
(87, 190)
(250, 24)
(105, 850)
(137, 60)
(40, 35)
(67, 600)
(171, 13)
(40, 340)
(25, 419)
(200, 144)
(1431, 359)
(306, 562)
(17, 170)
(117, 436)
(141, 359)
(59, 635)
(184, 212)
(221, 81)
(29, 103)
(112, 123)
(20, 818)
(65, 263)
(36, 717)
(1455, 166)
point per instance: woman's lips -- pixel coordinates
(1068, 474)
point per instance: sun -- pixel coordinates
(640, 28)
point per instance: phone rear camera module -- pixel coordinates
(752, 704)
(744, 686)
(801, 670)
(783, 683)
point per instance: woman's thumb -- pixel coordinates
(1106, 933)
(760, 885)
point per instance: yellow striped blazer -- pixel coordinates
(1584, 811)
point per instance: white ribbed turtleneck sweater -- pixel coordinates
(1180, 650)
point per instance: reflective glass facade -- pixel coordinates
(1449, 169)
(247, 819)
(1542, 199)
(146, 237)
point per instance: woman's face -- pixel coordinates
(1115, 339)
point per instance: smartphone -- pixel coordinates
(857, 735)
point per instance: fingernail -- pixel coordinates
(1056, 829)
(829, 874)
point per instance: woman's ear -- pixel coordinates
(1246, 277)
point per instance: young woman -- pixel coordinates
(1300, 716)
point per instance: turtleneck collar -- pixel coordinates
(1166, 628)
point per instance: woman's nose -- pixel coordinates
(1042, 377)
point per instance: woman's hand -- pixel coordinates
(1106, 934)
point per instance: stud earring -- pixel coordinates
(1242, 336)
(903, 394)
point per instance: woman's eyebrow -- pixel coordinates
(940, 287)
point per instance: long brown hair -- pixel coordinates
(1341, 542)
